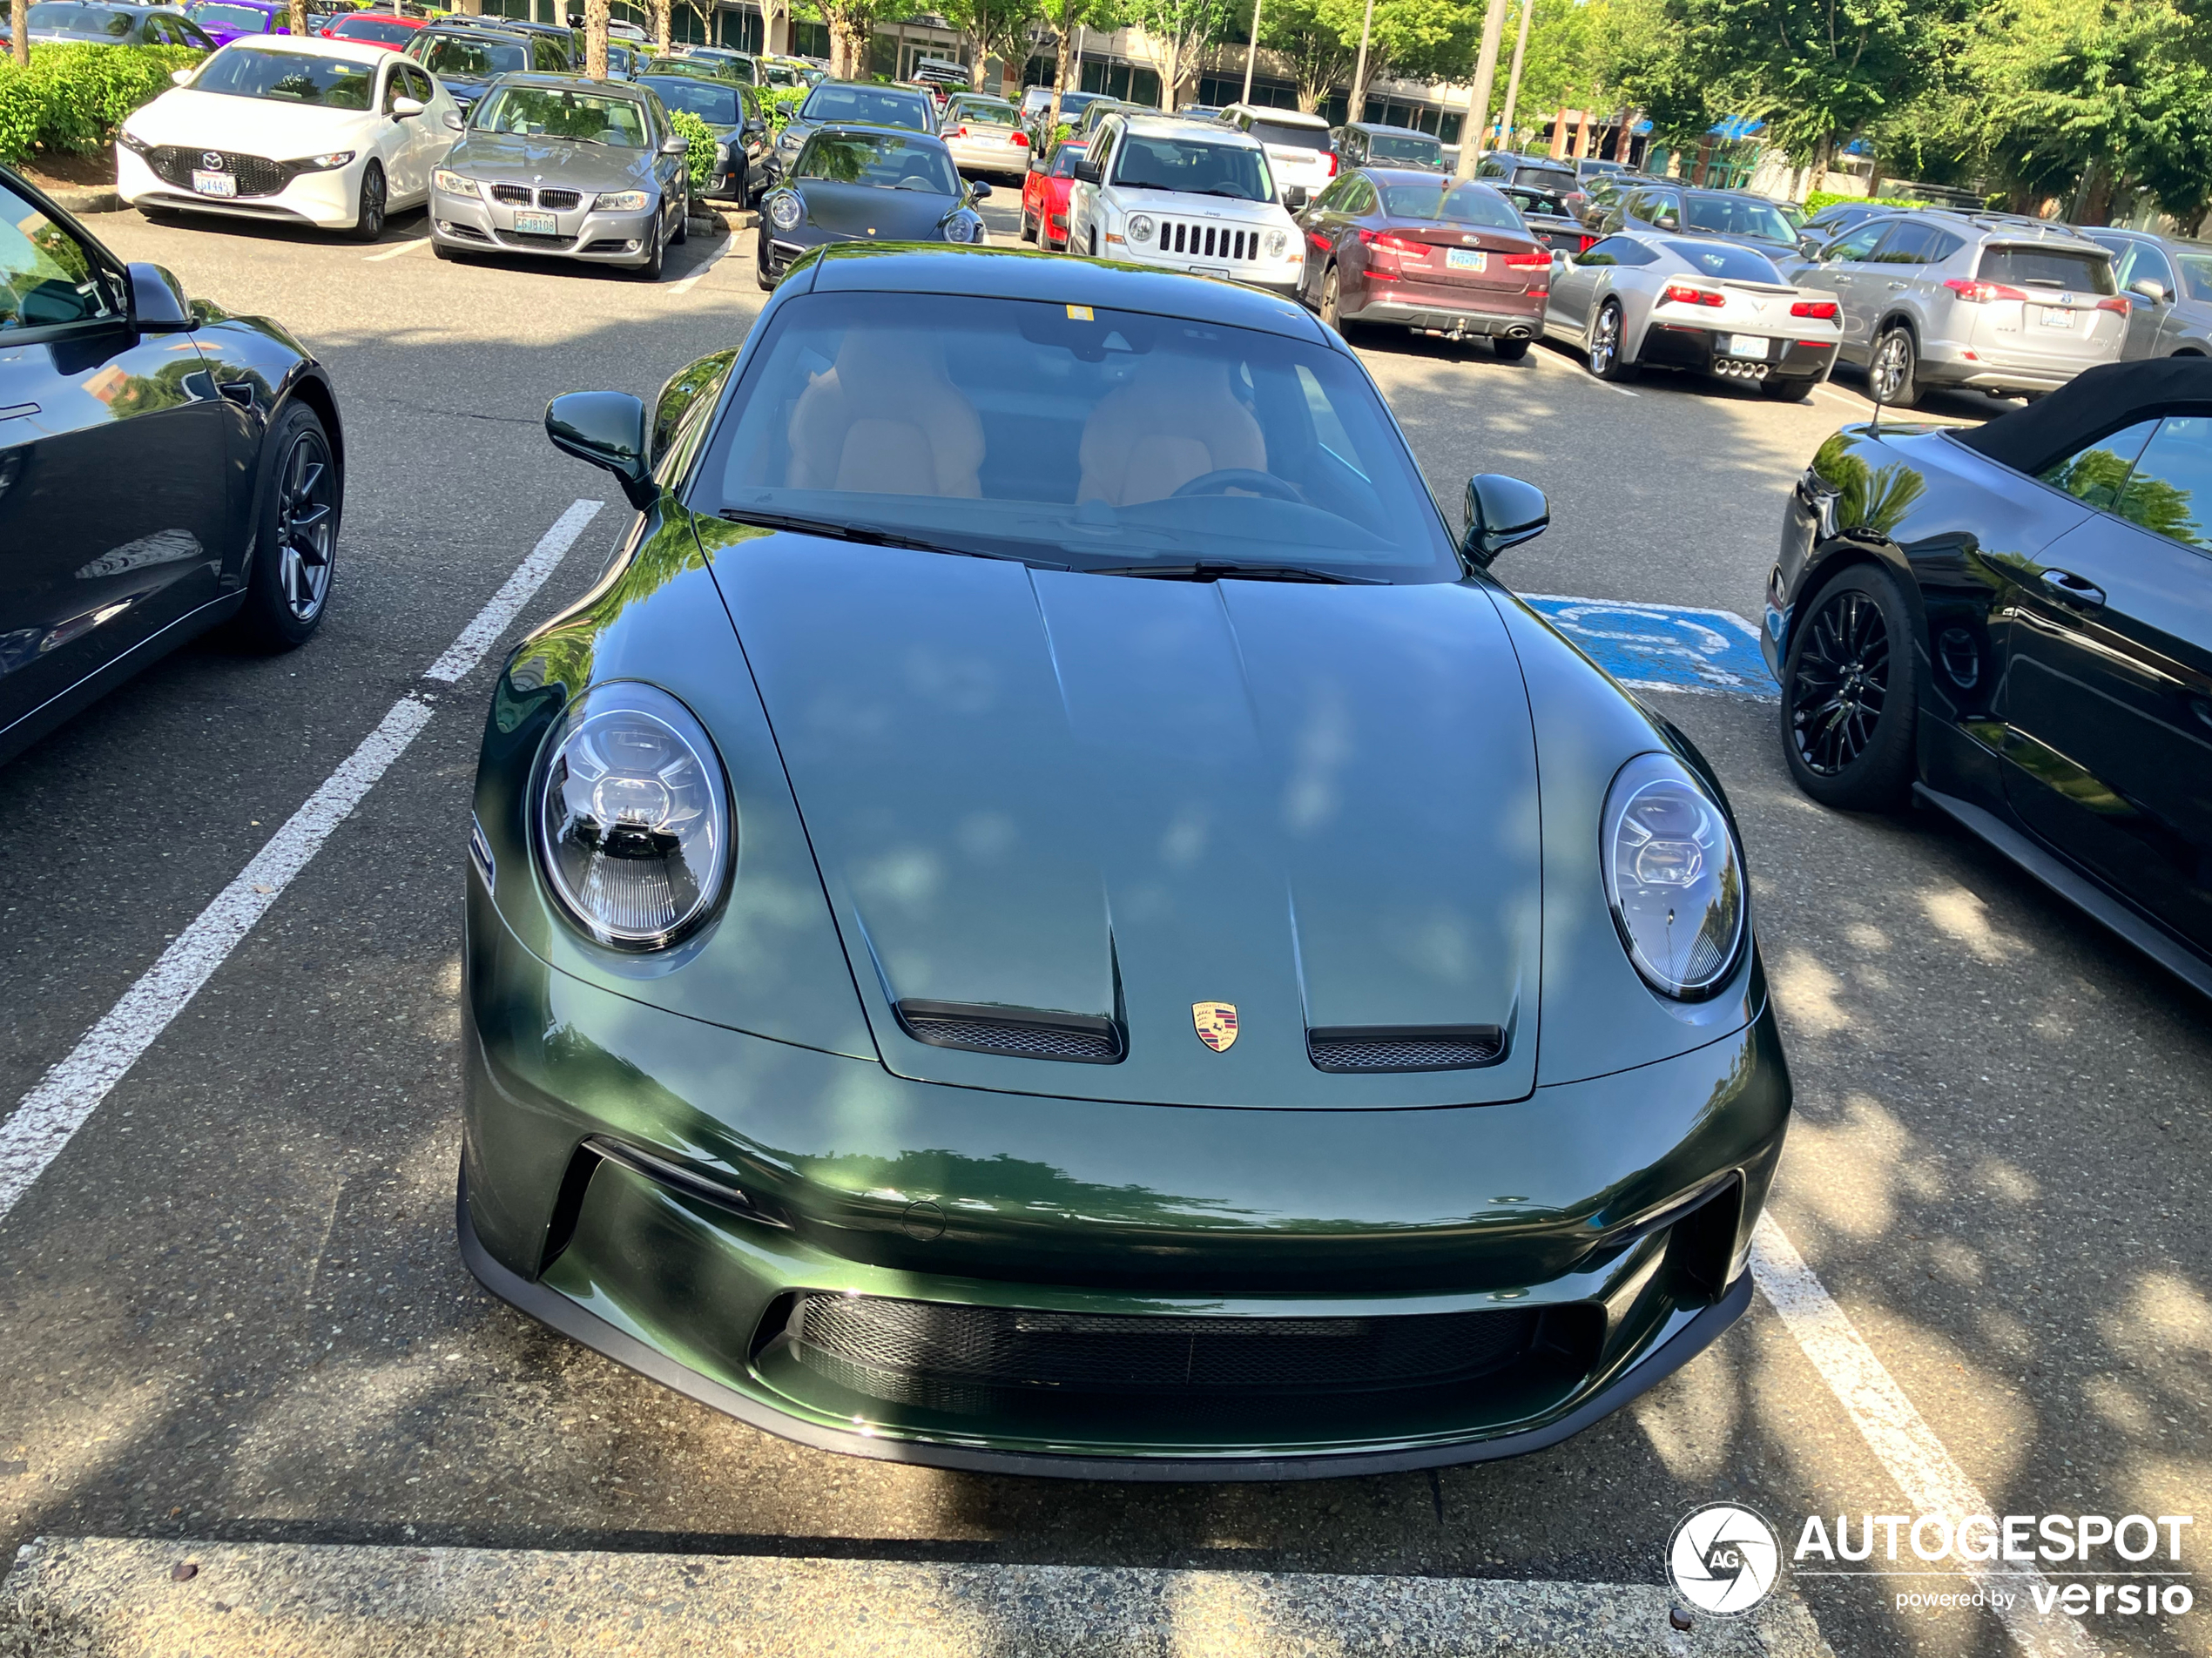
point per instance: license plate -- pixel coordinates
(537, 224)
(1465, 258)
(214, 183)
(1210, 270)
(2053, 318)
(1748, 344)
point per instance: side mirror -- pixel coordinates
(978, 191)
(1295, 198)
(1667, 221)
(405, 109)
(157, 301)
(2150, 288)
(1087, 171)
(1500, 512)
(678, 146)
(456, 120)
(608, 430)
(180, 76)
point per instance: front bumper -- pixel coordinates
(670, 1193)
(582, 232)
(327, 201)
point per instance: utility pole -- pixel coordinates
(1359, 111)
(1477, 126)
(1512, 80)
(1252, 50)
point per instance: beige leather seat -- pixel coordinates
(886, 421)
(1178, 419)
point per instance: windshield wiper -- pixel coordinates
(1209, 571)
(862, 533)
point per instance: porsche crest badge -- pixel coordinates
(1217, 1024)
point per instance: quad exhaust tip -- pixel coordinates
(1741, 370)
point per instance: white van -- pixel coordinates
(1299, 147)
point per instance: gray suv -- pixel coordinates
(2168, 285)
(1999, 304)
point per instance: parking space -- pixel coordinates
(231, 1300)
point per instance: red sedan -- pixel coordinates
(1408, 248)
(376, 29)
(1044, 198)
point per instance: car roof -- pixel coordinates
(875, 129)
(628, 90)
(1269, 112)
(1174, 127)
(1385, 128)
(2001, 226)
(1419, 176)
(351, 51)
(1017, 273)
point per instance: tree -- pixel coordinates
(852, 29)
(19, 28)
(298, 21)
(1180, 30)
(663, 24)
(991, 28)
(1312, 41)
(595, 37)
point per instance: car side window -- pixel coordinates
(1628, 253)
(1492, 169)
(547, 57)
(394, 88)
(2098, 474)
(1361, 197)
(48, 279)
(2169, 491)
(2145, 261)
(1906, 244)
(1605, 252)
(1857, 244)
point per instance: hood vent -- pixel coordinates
(1024, 1033)
(1404, 1048)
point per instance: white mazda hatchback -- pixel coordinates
(332, 133)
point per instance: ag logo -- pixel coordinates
(1217, 1024)
(1723, 1559)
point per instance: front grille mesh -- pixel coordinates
(1199, 239)
(1024, 1035)
(256, 175)
(559, 200)
(513, 195)
(967, 1358)
(1456, 1048)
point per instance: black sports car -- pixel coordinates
(162, 467)
(2014, 623)
(860, 184)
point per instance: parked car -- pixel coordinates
(81, 22)
(855, 183)
(1554, 178)
(332, 133)
(1733, 215)
(1036, 103)
(786, 71)
(2013, 622)
(556, 166)
(1712, 308)
(1981, 301)
(1188, 195)
(2166, 281)
(566, 41)
(1548, 218)
(1044, 197)
(468, 57)
(1365, 144)
(985, 135)
(730, 64)
(388, 29)
(734, 115)
(165, 468)
(853, 104)
(1299, 154)
(1409, 249)
(226, 20)
(941, 76)
(1591, 167)
(1835, 219)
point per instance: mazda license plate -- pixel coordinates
(1748, 344)
(537, 224)
(1465, 258)
(2055, 318)
(214, 183)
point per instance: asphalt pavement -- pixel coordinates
(232, 1306)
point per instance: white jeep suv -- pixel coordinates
(1185, 196)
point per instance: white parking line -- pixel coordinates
(51, 1113)
(687, 284)
(1576, 367)
(1898, 1434)
(394, 252)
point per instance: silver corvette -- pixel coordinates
(1647, 298)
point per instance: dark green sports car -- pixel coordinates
(1047, 914)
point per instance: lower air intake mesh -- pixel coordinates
(1441, 1049)
(1016, 1032)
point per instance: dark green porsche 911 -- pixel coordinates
(1047, 914)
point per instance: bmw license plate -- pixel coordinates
(1748, 344)
(1465, 258)
(214, 183)
(537, 224)
(2055, 318)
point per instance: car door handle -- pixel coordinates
(1900, 285)
(2074, 590)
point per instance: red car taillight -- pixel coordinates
(1818, 310)
(1982, 292)
(1021, 139)
(1385, 240)
(1330, 158)
(2113, 302)
(1589, 242)
(1316, 241)
(1537, 260)
(1681, 293)
(960, 132)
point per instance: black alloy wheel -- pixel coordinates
(296, 544)
(1849, 694)
(368, 221)
(1893, 376)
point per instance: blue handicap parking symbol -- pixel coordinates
(1662, 647)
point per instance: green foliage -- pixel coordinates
(780, 104)
(73, 97)
(1816, 199)
(701, 137)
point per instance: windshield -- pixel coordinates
(287, 78)
(1729, 216)
(1194, 167)
(387, 34)
(1719, 259)
(983, 109)
(473, 60)
(550, 112)
(61, 17)
(1465, 204)
(1284, 136)
(215, 17)
(1067, 436)
(713, 102)
(1384, 146)
(882, 159)
(866, 107)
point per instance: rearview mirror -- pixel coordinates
(608, 430)
(157, 301)
(405, 109)
(2150, 288)
(1501, 512)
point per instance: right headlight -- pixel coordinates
(784, 211)
(1674, 878)
(633, 816)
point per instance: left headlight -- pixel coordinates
(784, 211)
(621, 201)
(633, 817)
(1674, 878)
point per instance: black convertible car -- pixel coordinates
(2015, 623)
(862, 184)
(164, 468)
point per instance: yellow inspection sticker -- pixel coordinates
(1080, 313)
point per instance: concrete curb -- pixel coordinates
(83, 1597)
(87, 200)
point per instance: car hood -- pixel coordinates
(867, 212)
(522, 159)
(255, 126)
(1118, 798)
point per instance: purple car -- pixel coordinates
(226, 20)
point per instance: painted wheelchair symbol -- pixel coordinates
(1663, 647)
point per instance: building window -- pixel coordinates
(809, 39)
(1220, 90)
(1128, 82)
